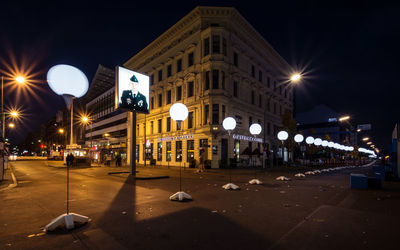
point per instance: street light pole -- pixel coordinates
(2, 108)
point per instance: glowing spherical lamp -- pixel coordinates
(299, 138)
(229, 123)
(310, 140)
(324, 143)
(178, 112)
(67, 80)
(255, 129)
(331, 144)
(283, 135)
(317, 142)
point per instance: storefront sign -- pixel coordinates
(247, 138)
(176, 138)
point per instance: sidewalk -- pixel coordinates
(8, 181)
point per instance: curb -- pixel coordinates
(15, 181)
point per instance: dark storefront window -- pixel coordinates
(178, 151)
(168, 151)
(190, 150)
(159, 151)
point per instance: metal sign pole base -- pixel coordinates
(66, 220)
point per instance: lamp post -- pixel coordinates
(229, 124)
(293, 79)
(69, 82)
(283, 136)
(179, 113)
(255, 129)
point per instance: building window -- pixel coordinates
(168, 124)
(274, 107)
(190, 89)
(252, 97)
(224, 51)
(159, 100)
(215, 114)
(206, 46)
(223, 112)
(190, 59)
(235, 88)
(178, 151)
(285, 93)
(169, 99)
(151, 127)
(159, 151)
(250, 120)
(190, 120)
(268, 82)
(268, 128)
(169, 70)
(235, 59)
(259, 100)
(179, 93)
(159, 125)
(168, 151)
(260, 76)
(152, 103)
(253, 71)
(179, 65)
(206, 114)
(152, 79)
(216, 44)
(190, 150)
(160, 75)
(207, 80)
(223, 79)
(215, 78)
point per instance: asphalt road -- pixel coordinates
(318, 212)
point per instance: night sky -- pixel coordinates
(349, 53)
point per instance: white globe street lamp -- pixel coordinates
(229, 124)
(310, 140)
(299, 138)
(70, 82)
(331, 144)
(317, 142)
(324, 143)
(179, 113)
(255, 129)
(283, 135)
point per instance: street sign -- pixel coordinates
(364, 126)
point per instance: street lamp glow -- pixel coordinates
(178, 112)
(11, 125)
(61, 131)
(283, 135)
(331, 144)
(369, 143)
(310, 140)
(344, 118)
(324, 143)
(255, 129)
(229, 123)
(365, 138)
(295, 77)
(299, 138)
(14, 113)
(20, 79)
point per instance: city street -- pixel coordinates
(317, 212)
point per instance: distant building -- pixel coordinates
(322, 121)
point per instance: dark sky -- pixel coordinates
(349, 52)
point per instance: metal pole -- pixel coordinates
(133, 143)
(67, 187)
(145, 143)
(2, 108)
(72, 120)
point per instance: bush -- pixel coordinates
(207, 164)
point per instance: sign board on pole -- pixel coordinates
(131, 90)
(364, 127)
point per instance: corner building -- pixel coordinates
(218, 65)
